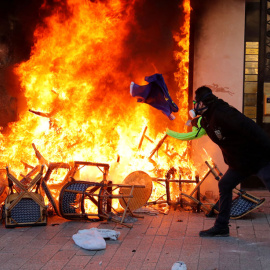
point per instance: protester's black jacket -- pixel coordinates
(245, 146)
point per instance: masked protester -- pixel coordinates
(244, 145)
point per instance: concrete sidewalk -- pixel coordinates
(155, 242)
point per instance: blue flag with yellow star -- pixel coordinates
(156, 94)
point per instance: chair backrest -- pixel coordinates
(69, 206)
(25, 207)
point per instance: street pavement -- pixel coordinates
(154, 242)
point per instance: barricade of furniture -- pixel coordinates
(24, 204)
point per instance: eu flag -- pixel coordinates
(155, 94)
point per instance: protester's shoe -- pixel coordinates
(215, 232)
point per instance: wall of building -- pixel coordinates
(218, 63)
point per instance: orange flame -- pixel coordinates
(182, 56)
(73, 79)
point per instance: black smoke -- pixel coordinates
(150, 43)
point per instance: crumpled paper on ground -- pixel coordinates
(93, 239)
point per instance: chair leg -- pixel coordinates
(128, 202)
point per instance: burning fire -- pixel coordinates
(79, 96)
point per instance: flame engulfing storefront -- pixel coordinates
(73, 91)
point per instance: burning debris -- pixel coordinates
(76, 199)
(76, 108)
(75, 77)
(24, 203)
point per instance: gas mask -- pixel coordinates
(196, 111)
(192, 114)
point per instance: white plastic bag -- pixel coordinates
(105, 233)
(91, 240)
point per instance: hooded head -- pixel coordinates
(203, 98)
(205, 95)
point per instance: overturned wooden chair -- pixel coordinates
(242, 204)
(23, 206)
(93, 200)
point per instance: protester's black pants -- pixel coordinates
(227, 183)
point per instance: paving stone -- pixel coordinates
(148, 266)
(140, 253)
(208, 263)
(209, 253)
(233, 257)
(172, 246)
(263, 248)
(155, 249)
(193, 232)
(265, 262)
(190, 253)
(261, 227)
(192, 266)
(13, 263)
(79, 262)
(70, 245)
(46, 235)
(229, 266)
(176, 234)
(45, 254)
(209, 242)
(244, 222)
(37, 243)
(262, 235)
(26, 253)
(164, 266)
(192, 240)
(6, 256)
(99, 265)
(251, 263)
(31, 266)
(245, 230)
(85, 252)
(55, 265)
(40, 258)
(122, 262)
(63, 255)
(155, 224)
(57, 240)
(165, 225)
(101, 259)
